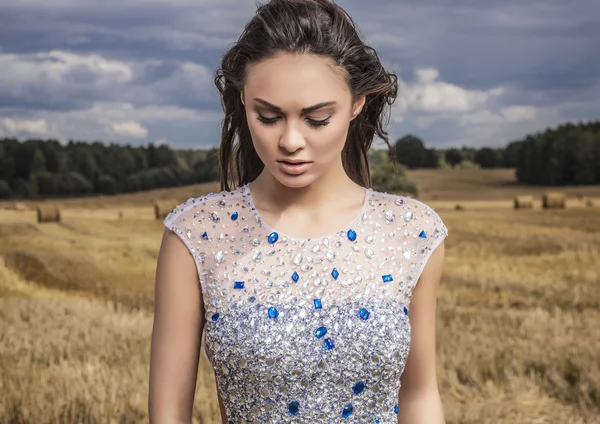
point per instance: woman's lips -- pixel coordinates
(294, 168)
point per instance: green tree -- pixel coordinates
(453, 157)
(5, 190)
(410, 151)
(38, 162)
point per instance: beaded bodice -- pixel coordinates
(314, 330)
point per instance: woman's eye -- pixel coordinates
(318, 123)
(312, 122)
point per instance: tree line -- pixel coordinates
(47, 168)
(569, 154)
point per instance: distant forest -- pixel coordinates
(568, 154)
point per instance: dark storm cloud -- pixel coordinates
(542, 53)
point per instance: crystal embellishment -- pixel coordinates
(328, 343)
(351, 235)
(358, 388)
(317, 303)
(205, 235)
(214, 217)
(364, 314)
(295, 277)
(347, 411)
(273, 312)
(238, 285)
(215, 317)
(234, 216)
(293, 407)
(335, 274)
(423, 234)
(320, 332)
(387, 278)
(273, 237)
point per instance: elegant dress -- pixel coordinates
(308, 330)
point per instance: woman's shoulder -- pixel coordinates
(206, 205)
(407, 210)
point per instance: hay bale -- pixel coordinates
(48, 213)
(589, 203)
(554, 200)
(459, 207)
(524, 202)
(163, 207)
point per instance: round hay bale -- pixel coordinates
(48, 213)
(163, 207)
(459, 208)
(554, 200)
(524, 202)
(589, 203)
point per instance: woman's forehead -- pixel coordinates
(307, 79)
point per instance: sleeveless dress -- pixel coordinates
(307, 330)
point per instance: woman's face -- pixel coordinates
(298, 109)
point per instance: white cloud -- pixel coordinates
(430, 95)
(24, 127)
(508, 114)
(59, 72)
(129, 129)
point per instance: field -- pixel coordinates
(518, 310)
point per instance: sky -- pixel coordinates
(471, 72)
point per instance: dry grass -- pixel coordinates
(518, 317)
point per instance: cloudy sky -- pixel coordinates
(473, 72)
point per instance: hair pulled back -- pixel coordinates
(319, 27)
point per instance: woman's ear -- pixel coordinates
(358, 106)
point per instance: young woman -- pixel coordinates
(311, 287)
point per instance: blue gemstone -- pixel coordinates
(347, 411)
(376, 421)
(387, 278)
(295, 277)
(423, 234)
(364, 314)
(320, 332)
(293, 407)
(405, 310)
(273, 237)
(328, 343)
(215, 316)
(205, 235)
(317, 303)
(395, 409)
(273, 312)
(358, 387)
(238, 285)
(234, 216)
(351, 235)
(335, 274)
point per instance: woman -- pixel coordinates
(303, 278)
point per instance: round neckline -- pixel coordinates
(270, 229)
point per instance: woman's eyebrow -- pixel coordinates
(304, 110)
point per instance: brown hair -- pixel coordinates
(319, 27)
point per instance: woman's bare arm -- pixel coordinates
(176, 334)
(419, 398)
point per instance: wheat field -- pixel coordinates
(518, 313)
